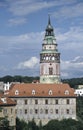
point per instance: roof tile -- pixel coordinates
(41, 90)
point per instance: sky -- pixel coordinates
(22, 30)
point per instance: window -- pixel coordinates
(67, 111)
(33, 92)
(53, 58)
(25, 111)
(46, 101)
(36, 111)
(66, 92)
(36, 101)
(56, 101)
(16, 92)
(67, 101)
(50, 92)
(5, 111)
(56, 111)
(51, 71)
(46, 111)
(11, 110)
(25, 102)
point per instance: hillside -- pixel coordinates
(26, 79)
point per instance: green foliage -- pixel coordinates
(52, 125)
(32, 125)
(73, 82)
(65, 124)
(20, 125)
(80, 108)
(4, 124)
(18, 78)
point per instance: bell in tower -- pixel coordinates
(49, 57)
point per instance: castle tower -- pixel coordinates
(49, 57)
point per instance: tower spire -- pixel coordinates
(49, 22)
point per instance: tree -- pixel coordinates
(20, 124)
(4, 124)
(32, 125)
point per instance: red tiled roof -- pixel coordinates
(5, 101)
(41, 90)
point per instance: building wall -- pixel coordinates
(9, 112)
(79, 92)
(45, 109)
(1, 86)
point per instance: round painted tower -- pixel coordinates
(49, 57)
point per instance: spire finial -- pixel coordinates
(49, 23)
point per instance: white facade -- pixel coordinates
(45, 109)
(79, 92)
(6, 86)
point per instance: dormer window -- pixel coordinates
(16, 92)
(66, 92)
(4, 100)
(33, 92)
(50, 92)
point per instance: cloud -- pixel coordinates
(24, 7)
(72, 68)
(31, 63)
(66, 12)
(17, 21)
(70, 41)
(20, 42)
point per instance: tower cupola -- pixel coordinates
(49, 29)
